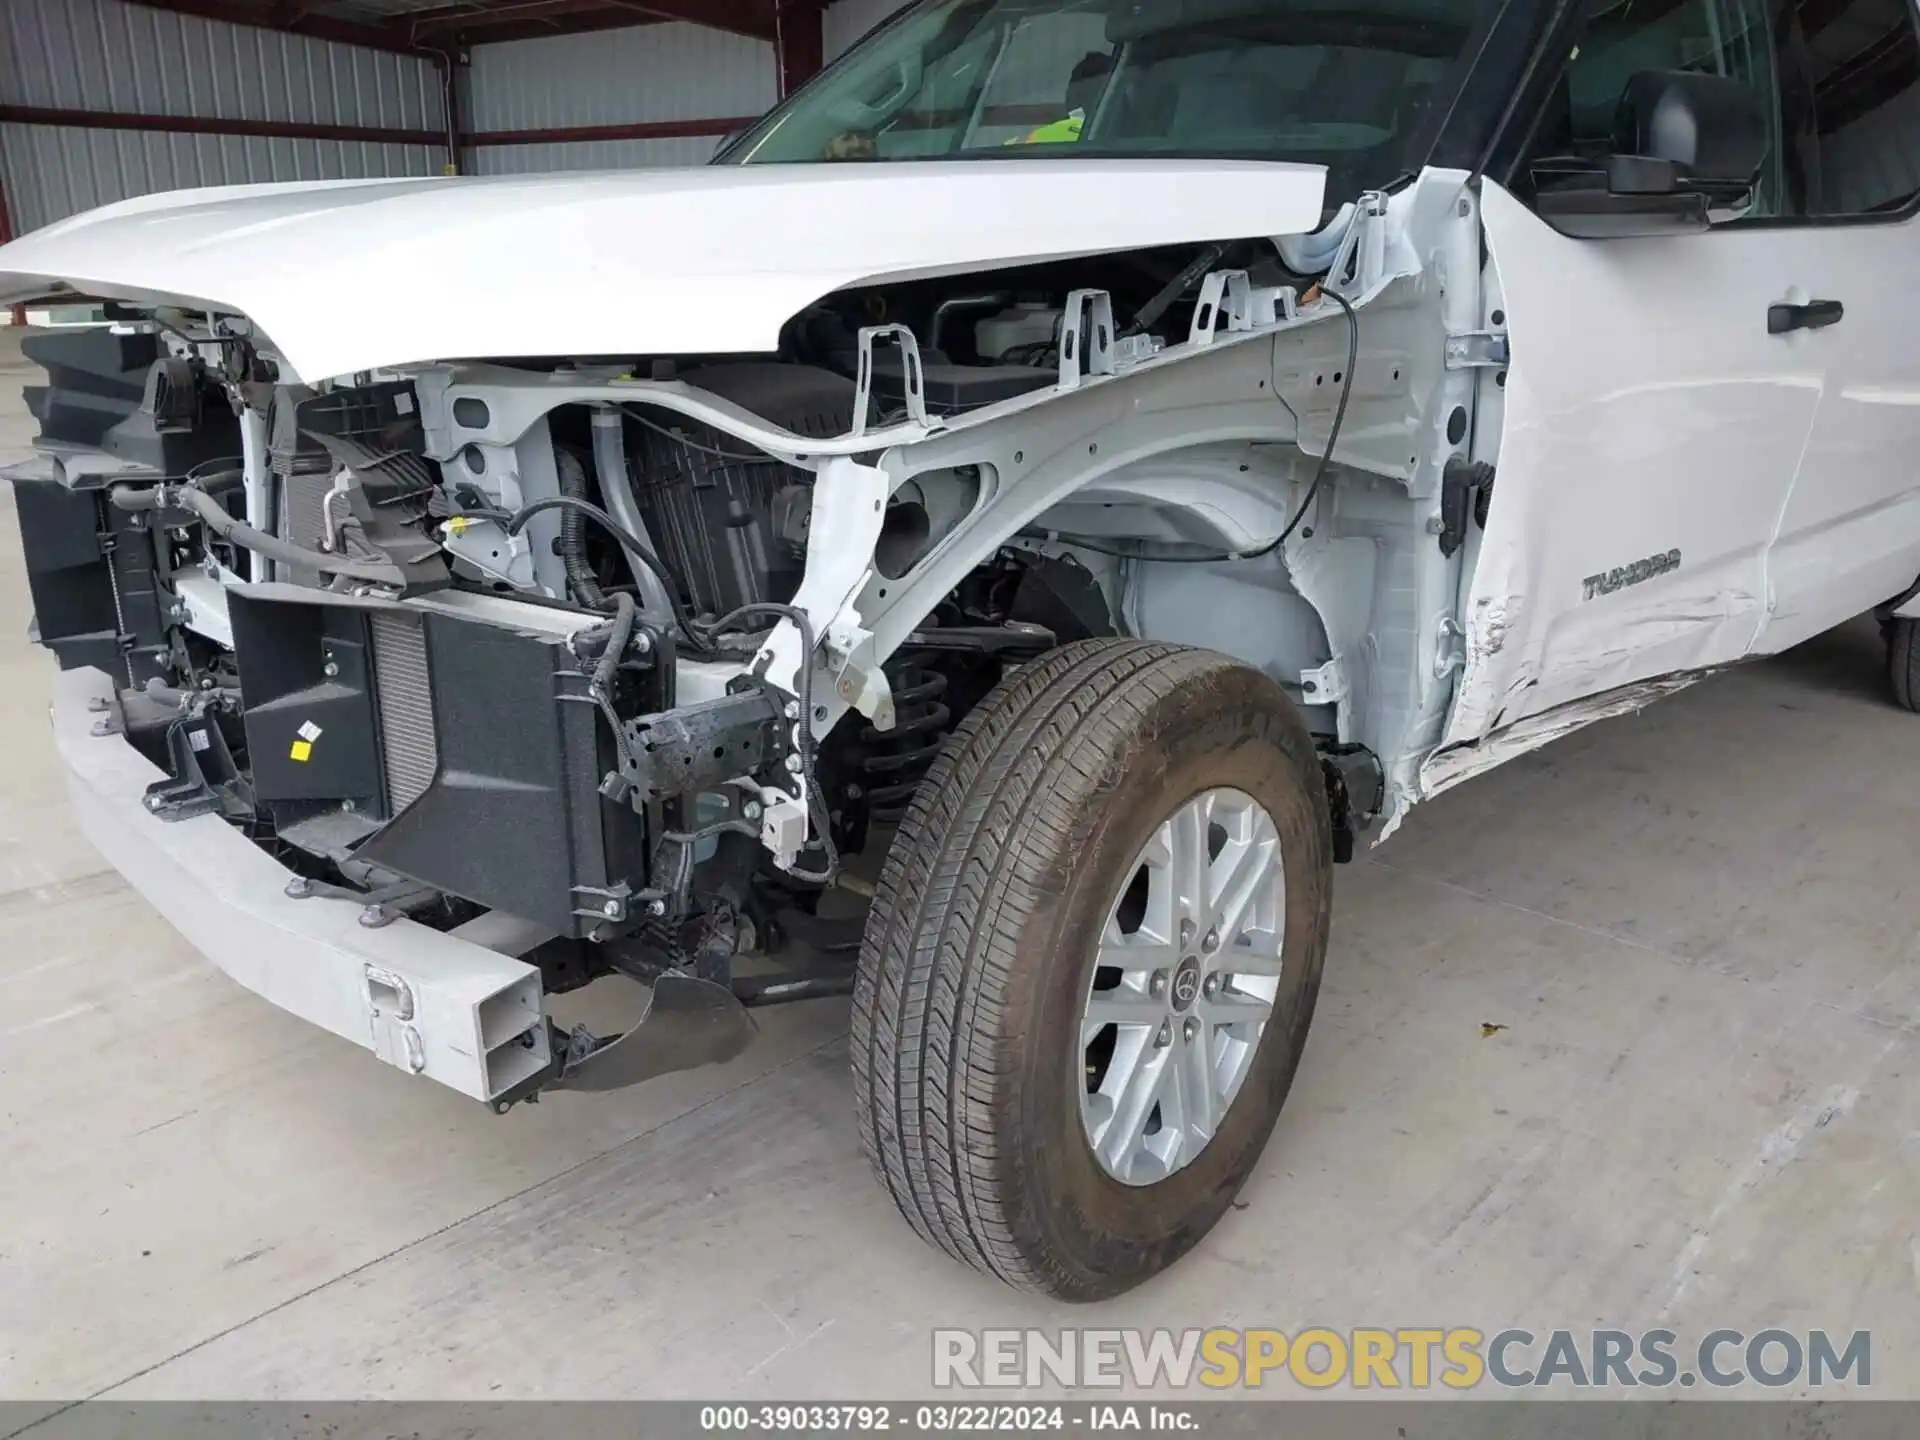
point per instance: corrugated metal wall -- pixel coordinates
(614, 77)
(55, 171)
(104, 55)
(848, 20)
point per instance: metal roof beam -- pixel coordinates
(214, 125)
(482, 23)
(295, 20)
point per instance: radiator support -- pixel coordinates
(453, 744)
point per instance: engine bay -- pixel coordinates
(348, 640)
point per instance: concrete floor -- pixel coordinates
(1697, 927)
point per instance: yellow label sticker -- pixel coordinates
(301, 750)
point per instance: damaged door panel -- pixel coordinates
(1649, 442)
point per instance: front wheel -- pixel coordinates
(1091, 963)
(1903, 661)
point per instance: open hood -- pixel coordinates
(362, 274)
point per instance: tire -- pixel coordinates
(1903, 662)
(979, 954)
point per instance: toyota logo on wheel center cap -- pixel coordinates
(1186, 983)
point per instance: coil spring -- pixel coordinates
(897, 759)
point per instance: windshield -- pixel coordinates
(1357, 85)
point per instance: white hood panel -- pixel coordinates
(363, 274)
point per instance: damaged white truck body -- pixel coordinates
(990, 543)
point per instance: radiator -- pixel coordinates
(405, 699)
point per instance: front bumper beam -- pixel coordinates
(431, 1003)
(447, 1005)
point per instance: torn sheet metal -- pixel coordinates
(1446, 768)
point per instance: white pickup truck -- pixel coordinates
(1082, 462)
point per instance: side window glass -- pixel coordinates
(1863, 62)
(1728, 38)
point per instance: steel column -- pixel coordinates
(799, 42)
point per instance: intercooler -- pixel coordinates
(403, 694)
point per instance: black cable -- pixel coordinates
(159, 497)
(214, 516)
(1313, 487)
(821, 823)
(192, 474)
(1035, 353)
(582, 582)
(707, 832)
(619, 632)
(1191, 272)
(631, 543)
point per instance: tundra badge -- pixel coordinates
(1612, 580)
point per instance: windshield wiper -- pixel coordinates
(1190, 274)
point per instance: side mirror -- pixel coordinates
(1686, 145)
(1714, 128)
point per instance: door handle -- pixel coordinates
(1814, 315)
